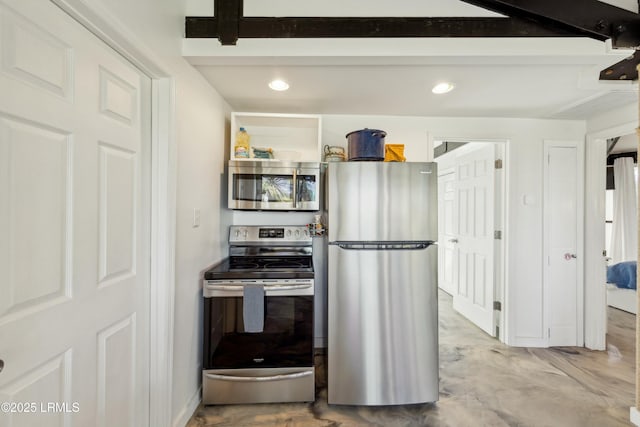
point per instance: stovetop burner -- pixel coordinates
(245, 266)
(283, 264)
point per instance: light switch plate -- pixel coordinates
(196, 217)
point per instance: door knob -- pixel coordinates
(569, 256)
(453, 240)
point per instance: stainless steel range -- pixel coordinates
(258, 318)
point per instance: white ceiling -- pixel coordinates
(537, 78)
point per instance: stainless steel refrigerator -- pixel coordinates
(382, 290)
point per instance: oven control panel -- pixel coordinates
(269, 234)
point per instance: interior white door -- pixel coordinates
(475, 241)
(447, 235)
(74, 216)
(561, 243)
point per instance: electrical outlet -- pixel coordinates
(196, 217)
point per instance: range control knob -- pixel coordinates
(245, 233)
(288, 233)
(297, 234)
(237, 233)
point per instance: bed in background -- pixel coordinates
(621, 286)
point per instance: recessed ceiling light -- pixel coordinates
(279, 85)
(443, 88)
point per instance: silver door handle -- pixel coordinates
(453, 240)
(259, 379)
(569, 256)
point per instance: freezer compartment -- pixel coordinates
(383, 326)
(227, 386)
(382, 201)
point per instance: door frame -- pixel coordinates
(595, 315)
(580, 262)
(101, 22)
(442, 173)
(501, 213)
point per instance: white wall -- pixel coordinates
(411, 131)
(201, 126)
(524, 165)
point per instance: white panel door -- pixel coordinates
(74, 221)
(561, 244)
(475, 246)
(447, 234)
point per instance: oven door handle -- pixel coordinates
(266, 287)
(260, 379)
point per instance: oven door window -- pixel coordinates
(286, 340)
(263, 187)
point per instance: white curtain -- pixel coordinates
(624, 236)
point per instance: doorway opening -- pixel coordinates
(595, 266)
(471, 229)
(621, 238)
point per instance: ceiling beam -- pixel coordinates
(227, 17)
(586, 18)
(525, 18)
(590, 18)
(623, 70)
(229, 30)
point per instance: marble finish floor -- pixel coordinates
(482, 383)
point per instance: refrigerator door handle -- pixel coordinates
(384, 246)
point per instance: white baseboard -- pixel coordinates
(529, 342)
(184, 416)
(634, 415)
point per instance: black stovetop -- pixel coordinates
(273, 267)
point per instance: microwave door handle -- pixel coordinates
(295, 188)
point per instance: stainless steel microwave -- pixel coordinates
(274, 185)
